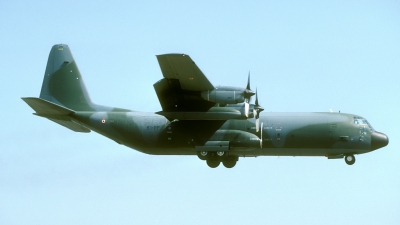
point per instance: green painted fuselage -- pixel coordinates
(293, 134)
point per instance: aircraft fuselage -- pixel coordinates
(294, 134)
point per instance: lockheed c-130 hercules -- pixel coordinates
(216, 123)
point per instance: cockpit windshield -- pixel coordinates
(362, 121)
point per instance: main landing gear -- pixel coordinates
(349, 159)
(212, 163)
(214, 159)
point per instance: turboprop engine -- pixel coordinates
(230, 95)
(224, 95)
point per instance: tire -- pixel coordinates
(203, 155)
(221, 153)
(350, 159)
(229, 164)
(213, 164)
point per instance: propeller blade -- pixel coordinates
(261, 141)
(257, 124)
(248, 92)
(246, 109)
(255, 113)
(257, 110)
(256, 103)
(258, 107)
(248, 82)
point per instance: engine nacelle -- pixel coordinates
(223, 96)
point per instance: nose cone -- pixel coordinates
(378, 140)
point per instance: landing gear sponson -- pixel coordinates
(214, 159)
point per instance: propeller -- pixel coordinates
(247, 96)
(256, 111)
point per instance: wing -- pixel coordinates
(180, 89)
(181, 67)
(179, 92)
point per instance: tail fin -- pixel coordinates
(62, 83)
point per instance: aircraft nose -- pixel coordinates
(378, 140)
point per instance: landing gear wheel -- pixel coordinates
(350, 159)
(202, 155)
(220, 153)
(229, 164)
(213, 164)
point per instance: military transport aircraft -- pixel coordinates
(216, 123)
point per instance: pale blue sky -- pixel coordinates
(303, 56)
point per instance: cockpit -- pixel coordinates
(361, 121)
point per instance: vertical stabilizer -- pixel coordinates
(62, 83)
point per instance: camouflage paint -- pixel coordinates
(65, 100)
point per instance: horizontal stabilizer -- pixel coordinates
(55, 113)
(71, 125)
(44, 107)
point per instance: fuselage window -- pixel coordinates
(369, 125)
(359, 121)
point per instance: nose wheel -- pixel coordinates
(350, 159)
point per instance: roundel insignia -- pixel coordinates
(103, 120)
